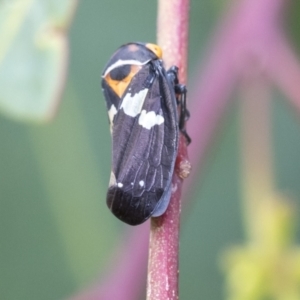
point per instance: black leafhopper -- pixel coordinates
(142, 99)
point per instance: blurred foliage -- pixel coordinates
(268, 266)
(56, 233)
(292, 23)
(33, 53)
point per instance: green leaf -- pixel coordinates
(33, 56)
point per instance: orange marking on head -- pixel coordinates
(155, 49)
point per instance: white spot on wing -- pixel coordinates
(111, 113)
(149, 119)
(112, 180)
(132, 105)
(142, 183)
(120, 184)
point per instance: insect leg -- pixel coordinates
(180, 92)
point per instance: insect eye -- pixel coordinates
(120, 73)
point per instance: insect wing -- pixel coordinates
(145, 141)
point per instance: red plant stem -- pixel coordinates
(172, 34)
(162, 282)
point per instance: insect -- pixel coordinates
(141, 98)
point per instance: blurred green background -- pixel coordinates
(56, 233)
